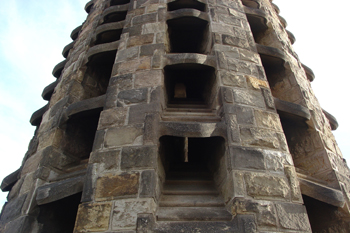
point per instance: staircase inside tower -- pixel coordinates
(189, 191)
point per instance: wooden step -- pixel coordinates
(193, 214)
(191, 201)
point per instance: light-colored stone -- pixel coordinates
(150, 78)
(268, 120)
(293, 217)
(255, 83)
(125, 212)
(93, 217)
(112, 117)
(259, 137)
(122, 136)
(230, 79)
(253, 98)
(276, 160)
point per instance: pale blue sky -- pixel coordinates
(34, 32)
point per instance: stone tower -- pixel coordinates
(180, 116)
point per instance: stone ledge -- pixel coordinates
(36, 118)
(271, 55)
(88, 6)
(75, 32)
(201, 1)
(257, 18)
(10, 180)
(332, 120)
(292, 110)
(187, 13)
(102, 48)
(291, 37)
(109, 27)
(67, 48)
(83, 108)
(58, 190)
(115, 9)
(309, 73)
(194, 58)
(283, 21)
(321, 192)
(251, 3)
(277, 9)
(48, 91)
(57, 70)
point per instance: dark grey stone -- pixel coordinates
(245, 115)
(139, 157)
(227, 95)
(134, 31)
(148, 50)
(98, 141)
(148, 183)
(137, 113)
(88, 190)
(268, 98)
(247, 158)
(107, 159)
(234, 41)
(123, 82)
(20, 225)
(133, 96)
(13, 209)
(151, 129)
(10, 180)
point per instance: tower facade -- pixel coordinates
(180, 116)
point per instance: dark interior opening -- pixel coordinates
(189, 84)
(80, 134)
(119, 2)
(191, 157)
(59, 216)
(322, 216)
(115, 17)
(274, 69)
(182, 4)
(258, 26)
(188, 35)
(98, 74)
(108, 36)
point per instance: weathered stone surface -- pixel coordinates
(266, 186)
(150, 78)
(137, 113)
(148, 184)
(245, 115)
(247, 158)
(231, 79)
(253, 98)
(125, 212)
(122, 82)
(264, 210)
(146, 18)
(268, 120)
(112, 186)
(133, 96)
(139, 157)
(294, 184)
(107, 160)
(276, 160)
(22, 224)
(234, 41)
(112, 117)
(149, 49)
(127, 54)
(259, 137)
(122, 136)
(233, 128)
(140, 40)
(255, 83)
(13, 209)
(93, 217)
(268, 98)
(293, 217)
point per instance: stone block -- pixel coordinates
(227, 19)
(153, 27)
(133, 96)
(266, 186)
(98, 141)
(227, 95)
(276, 160)
(12, 209)
(264, 210)
(221, 28)
(245, 115)
(150, 78)
(88, 187)
(108, 160)
(255, 83)
(122, 82)
(293, 217)
(259, 137)
(231, 79)
(294, 184)
(146, 18)
(143, 63)
(93, 217)
(139, 157)
(129, 53)
(149, 49)
(250, 56)
(134, 30)
(268, 120)
(111, 186)
(125, 212)
(122, 136)
(248, 97)
(269, 101)
(137, 113)
(221, 60)
(140, 40)
(234, 41)
(112, 117)
(231, 121)
(247, 158)
(148, 184)
(151, 129)
(20, 225)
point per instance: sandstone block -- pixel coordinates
(268, 120)
(270, 103)
(139, 157)
(112, 186)
(107, 160)
(140, 40)
(253, 98)
(255, 83)
(234, 41)
(245, 115)
(230, 79)
(93, 217)
(122, 136)
(293, 217)
(133, 96)
(247, 158)
(150, 78)
(276, 160)
(266, 186)
(129, 53)
(294, 184)
(259, 137)
(125, 212)
(112, 117)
